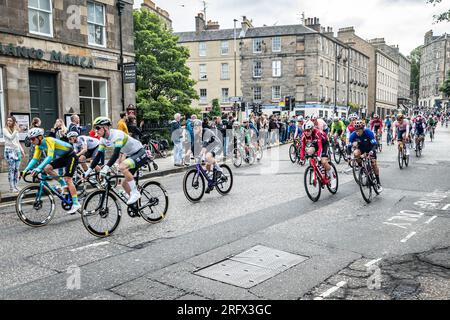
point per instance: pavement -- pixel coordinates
(264, 240)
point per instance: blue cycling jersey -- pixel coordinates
(366, 141)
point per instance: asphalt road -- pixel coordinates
(341, 248)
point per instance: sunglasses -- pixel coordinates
(308, 130)
(98, 127)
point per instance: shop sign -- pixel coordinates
(38, 54)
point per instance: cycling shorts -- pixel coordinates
(136, 160)
(69, 162)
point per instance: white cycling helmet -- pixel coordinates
(308, 126)
(35, 132)
(314, 117)
(236, 124)
(300, 118)
(72, 134)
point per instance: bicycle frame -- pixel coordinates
(43, 182)
(201, 171)
(313, 161)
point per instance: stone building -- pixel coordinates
(434, 67)
(58, 58)
(212, 63)
(163, 14)
(404, 101)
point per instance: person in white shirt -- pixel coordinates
(13, 152)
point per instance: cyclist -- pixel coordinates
(320, 124)
(135, 155)
(431, 123)
(60, 154)
(337, 130)
(299, 128)
(364, 142)
(419, 129)
(85, 147)
(401, 130)
(388, 126)
(376, 125)
(319, 145)
(348, 132)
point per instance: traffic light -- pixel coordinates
(243, 106)
(292, 104)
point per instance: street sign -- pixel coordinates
(129, 72)
(235, 99)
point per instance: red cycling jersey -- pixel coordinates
(315, 137)
(376, 123)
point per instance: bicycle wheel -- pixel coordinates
(337, 154)
(355, 170)
(101, 220)
(313, 186)
(259, 153)
(251, 156)
(224, 180)
(365, 185)
(154, 202)
(193, 185)
(35, 206)
(292, 153)
(400, 158)
(237, 158)
(163, 153)
(405, 158)
(333, 188)
(380, 147)
(81, 187)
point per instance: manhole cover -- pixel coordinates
(251, 267)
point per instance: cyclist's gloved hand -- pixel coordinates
(105, 170)
(372, 154)
(35, 172)
(87, 173)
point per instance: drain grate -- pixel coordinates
(251, 267)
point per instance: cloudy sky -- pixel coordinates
(402, 22)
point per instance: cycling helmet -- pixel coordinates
(308, 126)
(102, 121)
(353, 116)
(336, 119)
(300, 118)
(236, 124)
(359, 124)
(399, 116)
(72, 134)
(35, 132)
(314, 117)
(376, 116)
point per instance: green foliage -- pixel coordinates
(445, 88)
(354, 107)
(415, 70)
(163, 86)
(215, 110)
(444, 16)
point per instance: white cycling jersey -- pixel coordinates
(85, 141)
(119, 139)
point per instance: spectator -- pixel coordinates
(176, 134)
(13, 152)
(75, 124)
(229, 130)
(133, 129)
(122, 123)
(59, 130)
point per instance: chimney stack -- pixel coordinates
(428, 37)
(212, 25)
(200, 24)
(314, 24)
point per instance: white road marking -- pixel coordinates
(409, 236)
(446, 207)
(91, 246)
(331, 290)
(429, 220)
(368, 264)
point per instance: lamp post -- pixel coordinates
(337, 59)
(120, 6)
(235, 67)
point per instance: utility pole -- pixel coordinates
(235, 63)
(120, 6)
(204, 9)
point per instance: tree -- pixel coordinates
(415, 71)
(163, 86)
(445, 88)
(215, 110)
(444, 16)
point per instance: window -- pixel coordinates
(332, 71)
(257, 69)
(276, 68)
(224, 71)
(257, 93)
(257, 45)
(301, 67)
(338, 73)
(40, 18)
(321, 93)
(93, 101)
(2, 108)
(203, 96)
(327, 69)
(224, 49)
(326, 92)
(276, 93)
(321, 67)
(202, 49)
(96, 24)
(202, 72)
(276, 44)
(225, 95)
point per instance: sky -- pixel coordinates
(400, 22)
